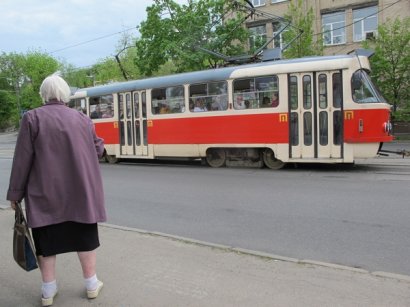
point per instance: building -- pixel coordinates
(342, 24)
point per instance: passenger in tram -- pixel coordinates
(97, 112)
(275, 99)
(191, 105)
(108, 113)
(164, 108)
(248, 104)
(240, 105)
(199, 106)
(178, 108)
(266, 102)
(218, 104)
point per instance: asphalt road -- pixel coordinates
(351, 215)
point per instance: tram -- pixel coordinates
(321, 109)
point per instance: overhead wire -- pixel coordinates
(91, 40)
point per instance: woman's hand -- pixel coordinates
(13, 204)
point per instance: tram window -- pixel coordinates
(168, 100)
(322, 91)
(363, 90)
(101, 107)
(294, 123)
(78, 104)
(128, 105)
(137, 133)
(307, 128)
(307, 92)
(323, 130)
(120, 104)
(144, 104)
(137, 122)
(253, 93)
(211, 96)
(293, 92)
(129, 136)
(337, 89)
(337, 127)
(136, 105)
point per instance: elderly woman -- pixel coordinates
(55, 169)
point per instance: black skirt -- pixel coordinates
(65, 237)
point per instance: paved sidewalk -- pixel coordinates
(142, 269)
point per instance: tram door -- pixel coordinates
(140, 123)
(125, 108)
(315, 107)
(133, 117)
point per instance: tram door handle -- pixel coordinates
(360, 125)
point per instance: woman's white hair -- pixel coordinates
(55, 87)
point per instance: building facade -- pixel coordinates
(343, 25)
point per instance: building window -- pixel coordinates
(333, 27)
(258, 2)
(278, 34)
(365, 21)
(257, 36)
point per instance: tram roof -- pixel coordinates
(217, 74)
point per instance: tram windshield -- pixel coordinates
(363, 89)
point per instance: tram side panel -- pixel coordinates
(365, 129)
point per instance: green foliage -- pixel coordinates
(77, 78)
(8, 110)
(173, 33)
(301, 19)
(391, 64)
(21, 76)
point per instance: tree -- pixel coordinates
(173, 33)
(391, 62)
(20, 79)
(8, 110)
(301, 21)
(36, 67)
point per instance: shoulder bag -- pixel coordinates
(23, 248)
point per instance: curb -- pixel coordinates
(399, 277)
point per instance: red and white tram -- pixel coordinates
(316, 109)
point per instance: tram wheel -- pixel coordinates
(111, 159)
(270, 160)
(216, 157)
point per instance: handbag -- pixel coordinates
(23, 248)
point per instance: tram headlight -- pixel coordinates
(388, 127)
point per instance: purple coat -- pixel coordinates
(56, 169)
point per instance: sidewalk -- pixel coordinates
(142, 269)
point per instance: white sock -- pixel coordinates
(91, 283)
(48, 289)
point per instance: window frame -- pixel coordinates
(169, 102)
(254, 92)
(341, 25)
(209, 97)
(103, 101)
(254, 35)
(258, 2)
(362, 22)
